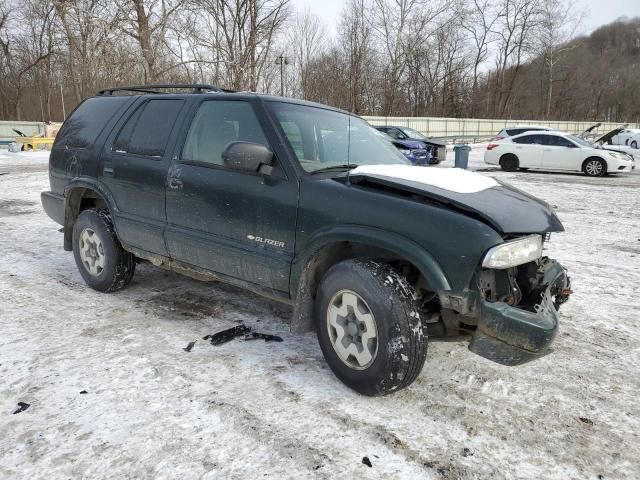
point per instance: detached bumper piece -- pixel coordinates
(512, 336)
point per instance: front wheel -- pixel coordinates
(103, 263)
(634, 144)
(594, 167)
(369, 327)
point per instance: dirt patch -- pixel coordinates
(12, 207)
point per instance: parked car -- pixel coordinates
(405, 138)
(555, 151)
(310, 206)
(606, 142)
(627, 136)
(518, 129)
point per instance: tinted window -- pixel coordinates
(517, 131)
(82, 128)
(216, 124)
(147, 130)
(556, 141)
(529, 139)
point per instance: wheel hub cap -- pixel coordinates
(91, 252)
(352, 330)
(594, 168)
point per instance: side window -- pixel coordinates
(515, 131)
(216, 124)
(147, 131)
(82, 128)
(527, 139)
(397, 134)
(555, 141)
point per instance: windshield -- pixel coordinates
(324, 139)
(580, 141)
(411, 133)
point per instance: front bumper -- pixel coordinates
(513, 336)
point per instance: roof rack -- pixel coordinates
(152, 88)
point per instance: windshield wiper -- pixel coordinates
(334, 167)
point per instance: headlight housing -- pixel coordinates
(514, 252)
(620, 156)
(404, 151)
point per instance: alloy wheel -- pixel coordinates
(352, 329)
(91, 252)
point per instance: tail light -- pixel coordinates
(491, 146)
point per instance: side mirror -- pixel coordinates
(248, 157)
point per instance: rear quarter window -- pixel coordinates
(82, 128)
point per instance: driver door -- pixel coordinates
(236, 223)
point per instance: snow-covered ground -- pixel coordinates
(275, 410)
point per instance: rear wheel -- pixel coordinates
(103, 263)
(509, 162)
(594, 167)
(634, 144)
(369, 328)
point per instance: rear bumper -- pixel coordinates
(513, 336)
(53, 205)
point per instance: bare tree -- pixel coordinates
(306, 38)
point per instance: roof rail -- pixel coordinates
(196, 87)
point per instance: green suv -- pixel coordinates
(313, 207)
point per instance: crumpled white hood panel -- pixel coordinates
(452, 179)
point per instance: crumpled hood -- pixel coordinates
(410, 144)
(507, 209)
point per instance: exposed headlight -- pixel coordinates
(515, 252)
(404, 151)
(620, 156)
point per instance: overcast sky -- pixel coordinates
(598, 12)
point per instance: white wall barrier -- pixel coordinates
(477, 128)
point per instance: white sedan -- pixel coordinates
(555, 151)
(628, 136)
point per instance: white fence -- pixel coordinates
(28, 128)
(476, 128)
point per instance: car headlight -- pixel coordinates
(515, 252)
(620, 156)
(404, 151)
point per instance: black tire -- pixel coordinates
(634, 144)
(509, 162)
(594, 167)
(524, 169)
(119, 265)
(401, 342)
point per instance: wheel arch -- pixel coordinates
(595, 157)
(80, 194)
(332, 247)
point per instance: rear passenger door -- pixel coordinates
(528, 149)
(236, 223)
(135, 164)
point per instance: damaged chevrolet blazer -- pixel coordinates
(311, 206)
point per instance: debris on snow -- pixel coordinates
(189, 347)
(83, 392)
(227, 335)
(22, 407)
(243, 331)
(367, 462)
(262, 336)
